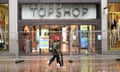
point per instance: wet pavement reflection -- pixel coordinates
(81, 64)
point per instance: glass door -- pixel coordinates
(87, 38)
(75, 39)
(38, 39)
(42, 39)
(53, 31)
(63, 32)
(65, 39)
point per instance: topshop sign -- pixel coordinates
(61, 11)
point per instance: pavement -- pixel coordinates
(43, 57)
(81, 63)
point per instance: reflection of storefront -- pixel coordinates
(64, 20)
(114, 26)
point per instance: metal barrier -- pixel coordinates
(72, 42)
(81, 42)
(36, 43)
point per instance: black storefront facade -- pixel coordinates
(63, 16)
(75, 22)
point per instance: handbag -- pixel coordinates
(2, 43)
(50, 49)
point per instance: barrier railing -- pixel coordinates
(71, 42)
(86, 43)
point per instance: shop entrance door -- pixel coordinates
(63, 32)
(39, 38)
(87, 39)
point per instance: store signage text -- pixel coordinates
(56, 11)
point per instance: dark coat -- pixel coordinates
(56, 48)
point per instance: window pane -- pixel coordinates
(4, 27)
(114, 26)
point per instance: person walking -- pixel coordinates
(56, 52)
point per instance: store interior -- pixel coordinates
(71, 38)
(114, 26)
(4, 27)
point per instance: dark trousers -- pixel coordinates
(57, 59)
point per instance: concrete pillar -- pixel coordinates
(104, 25)
(13, 35)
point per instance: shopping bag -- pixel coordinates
(50, 49)
(61, 59)
(2, 44)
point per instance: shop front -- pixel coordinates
(73, 23)
(114, 26)
(78, 24)
(4, 28)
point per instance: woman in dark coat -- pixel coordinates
(56, 51)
